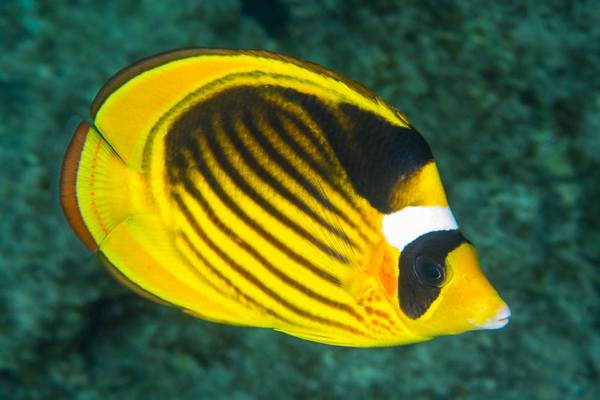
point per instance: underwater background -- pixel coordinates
(506, 93)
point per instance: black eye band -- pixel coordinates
(429, 271)
(423, 270)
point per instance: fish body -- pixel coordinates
(251, 188)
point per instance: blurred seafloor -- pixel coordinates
(507, 94)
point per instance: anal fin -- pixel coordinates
(139, 254)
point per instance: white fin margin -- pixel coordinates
(402, 227)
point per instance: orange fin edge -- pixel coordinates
(68, 186)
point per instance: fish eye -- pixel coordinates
(429, 271)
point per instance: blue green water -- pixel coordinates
(508, 96)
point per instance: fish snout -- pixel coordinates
(499, 320)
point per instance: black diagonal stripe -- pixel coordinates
(320, 116)
(270, 116)
(273, 119)
(248, 120)
(183, 134)
(269, 177)
(254, 280)
(296, 119)
(266, 176)
(225, 165)
(225, 280)
(203, 169)
(375, 154)
(278, 126)
(207, 209)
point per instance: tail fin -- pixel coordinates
(93, 186)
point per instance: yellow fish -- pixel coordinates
(251, 188)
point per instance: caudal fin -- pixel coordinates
(94, 186)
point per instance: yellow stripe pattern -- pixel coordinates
(263, 217)
(252, 196)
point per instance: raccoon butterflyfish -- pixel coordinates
(251, 188)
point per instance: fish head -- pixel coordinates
(442, 289)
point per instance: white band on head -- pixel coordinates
(404, 226)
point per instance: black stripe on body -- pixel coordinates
(224, 279)
(298, 176)
(253, 279)
(248, 98)
(240, 182)
(205, 206)
(295, 116)
(327, 175)
(375, 154)
(179, 174)
(270, 179)
(270, 117)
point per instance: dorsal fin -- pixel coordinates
(130, 107)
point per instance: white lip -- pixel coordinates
(500, 320)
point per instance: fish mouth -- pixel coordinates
(500, 320)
